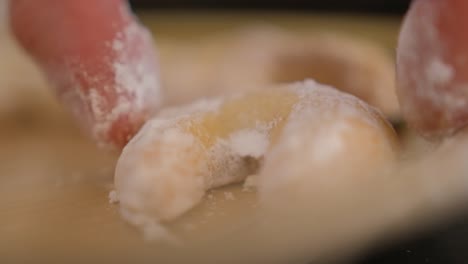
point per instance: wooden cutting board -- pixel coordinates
(54, 184)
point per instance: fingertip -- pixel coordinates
(432, 66)
(109, 90)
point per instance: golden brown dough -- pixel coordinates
(303, 130)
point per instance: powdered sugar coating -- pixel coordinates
(249, 142)
(178, 155)
(165, 169)
(150, 178)
(136, 82)
(327, 102)
(329, 135)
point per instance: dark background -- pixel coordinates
(374, 6)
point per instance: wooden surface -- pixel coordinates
(54, 184)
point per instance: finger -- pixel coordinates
(432, 66)
(98, 58)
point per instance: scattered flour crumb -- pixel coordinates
(117, 45)
(157, 232)
(113, 197)
(213, 205)
(249, 142)
(97, 103)
(151, 229)
(229, 196)
(439, 73)
(250, 183)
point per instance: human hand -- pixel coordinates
(99, 60)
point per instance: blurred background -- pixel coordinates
(445, 244)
